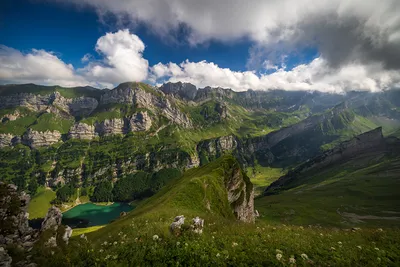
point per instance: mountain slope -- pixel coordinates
(353, 184)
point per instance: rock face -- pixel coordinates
(82, 131)
(80, 106)
(52, 220)
(110, 127)
(14, 226)
(371, 141)
(6, 140)
(209, 150)
(185, 91)
(133, 94)
(35, 139)
(240, 194)
(139, 122)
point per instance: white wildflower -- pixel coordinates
(101, 250)
(178, 243)
(359, 247)
(321, 234)
(122, 242)
(304, 256)
(186, 244)
(155, 237)
(105, 243)
(340, 243)
(380, 229)
(218, 255)
(115, 257)
(376, 249)
(333, 248)
(115, 242)
(107, 257)
(292, 260)
(234, 244)
(278, 256)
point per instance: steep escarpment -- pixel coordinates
(219, 188)
(369, 142)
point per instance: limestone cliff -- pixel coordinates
(35, 139)
(82, 131)
(240, 194)
(80, 106)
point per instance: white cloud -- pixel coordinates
(37, 66)
(317, 75)
(122, 61)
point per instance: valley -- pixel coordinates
(270, 172)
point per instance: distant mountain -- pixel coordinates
(82, 136)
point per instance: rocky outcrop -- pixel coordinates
(110, 127)
(140, 122)
(6, 140)
(209, 150)
(185, 91)
(154, 100)
(11, 117)
(35, 139)
(240, 193)
(80, 106)
(82, 131)
(371, 141)
(52, 220)
(14, 226)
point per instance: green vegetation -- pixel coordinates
(52, 122)
(359, 192)
(142, 238)
(40, 203)
(262, 177)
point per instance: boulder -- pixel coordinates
(52, 220)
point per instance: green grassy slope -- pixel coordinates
(40, 203)
(142, 238)
(362, 191)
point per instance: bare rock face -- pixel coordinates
(6, 140)
(110, 127)
(80, 106)
(139, 122)
(185, 91)
(5, 259)
(11, 117)
(52, 220)
(30, 101)
(82, 131)
(35, 139)
(214, 148)
(240, 194)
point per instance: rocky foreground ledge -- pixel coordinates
(18, 236)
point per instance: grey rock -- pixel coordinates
(185, 91)
(82, 131)
(197, 225)
(176, 225)
(52, 220)
(110, 127)
(35, 139)
(67, 234)
(5, 259)
(52, 242)
(140, 121)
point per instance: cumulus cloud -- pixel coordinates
(121, 60)
(344, 31)
(317, 75)
(37, 66)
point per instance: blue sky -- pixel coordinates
(260, 45)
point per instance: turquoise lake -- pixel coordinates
(89, 214)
